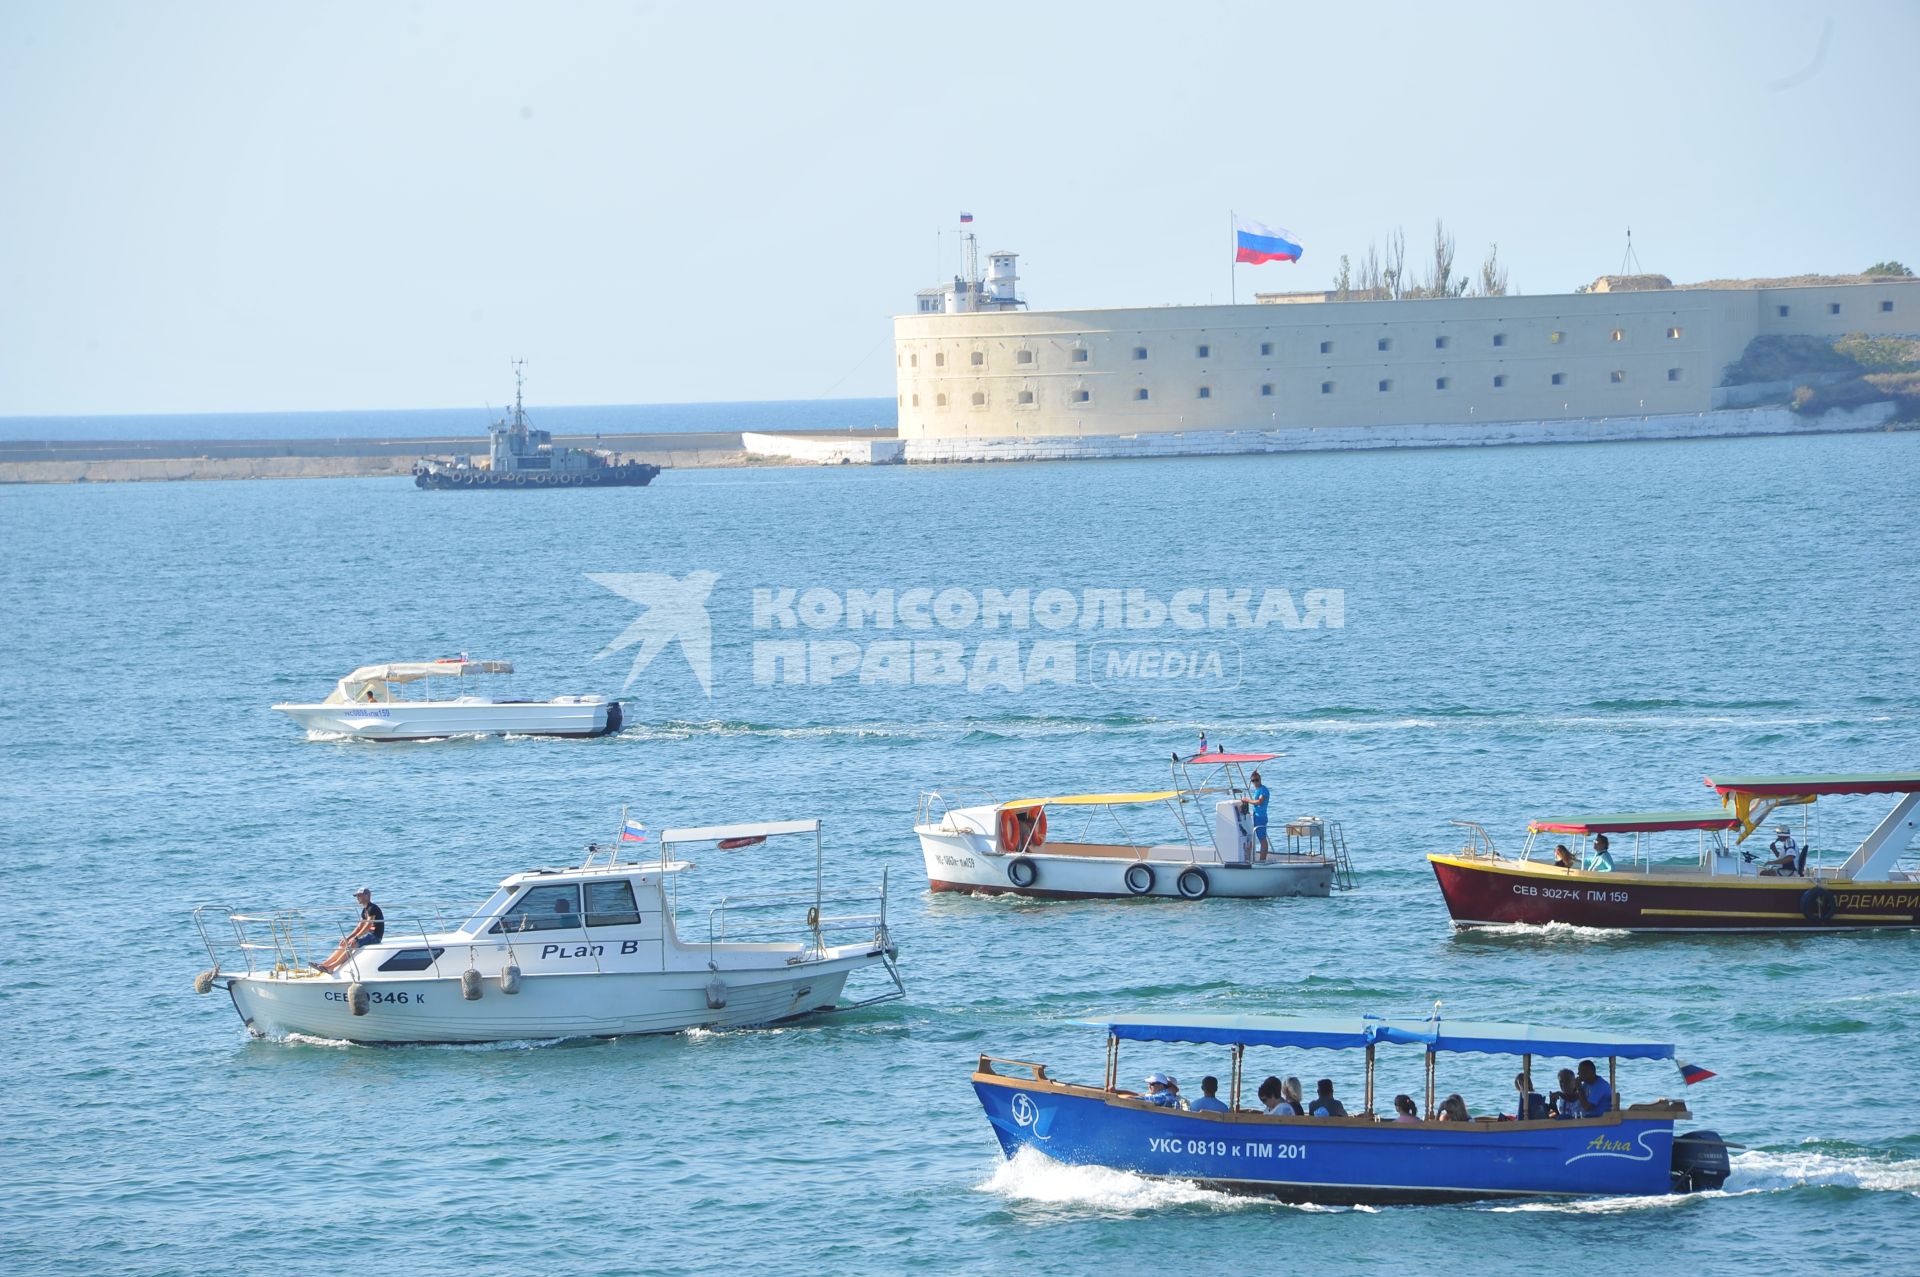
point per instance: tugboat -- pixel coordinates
(521, 457)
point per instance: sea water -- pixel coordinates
(1497, 634)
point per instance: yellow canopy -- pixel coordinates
(1093, 800)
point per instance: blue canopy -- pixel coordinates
(1343, 1033)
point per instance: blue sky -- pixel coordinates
(229, 207)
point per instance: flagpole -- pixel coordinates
(1233, 264)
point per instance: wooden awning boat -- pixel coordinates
(1196, 839)
(1723, 886)
(1629, 1149)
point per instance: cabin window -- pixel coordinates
(1079, 356)
(1140, 393)
(610, 904)
(1023, 357)
(916, 401)
(411, 960)
(1499, 339)
(1499, 380)
(1833, 308)
(979, 399)
(1440, 343)
(1559, 379)
(1386, 383)
(1266, 347)
(939, 401)
(1673, 374)
(913, 361)
(1206, 392)
(1886, 308)
(940, 360)
(977, 359)
(548, 908)
(1618, 335)
(1555, 338)
(1673, 334)
(1784, 311)
(1326, 387)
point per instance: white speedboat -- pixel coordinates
(369, 704)
(1088, 845)
(589, 951)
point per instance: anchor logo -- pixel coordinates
(1030, 1115)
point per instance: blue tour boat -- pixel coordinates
(1630, 1150)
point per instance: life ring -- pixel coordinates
(1138, 878)
(1010, 828)
(1193, 883)
(1022, 872)
(1818, 904)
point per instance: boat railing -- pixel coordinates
(768, 917)
(936, 805)
(292, 939)
(1479, 841)
(1033, 1067)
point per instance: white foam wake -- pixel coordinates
(1032, 1176)
(1755, 1171)
(1552, 931)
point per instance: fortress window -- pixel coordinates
(1386, 384)
(1886, 307)
(1673, 374)
(1385, 343)
(1079, 396)
(1784, 311)
(1202, 352)
(1499, 339)
(978, 359)
(1139, 352)
(1559, 379)
(916, 401)
(1441, 383)
(1833, 308)
(1617, 376)
(1206, 392)
(1618, 335)
(1140, 393)
(1499, 380)
(939, 401)
(1555, 338)
(1079, 356)
(979, 399)
(940, 361)
(1326, 387)
(1026, 396)
(913, 361)
(1673, 334)
(1440, 343)
(1023, 357)
(1266, 347)
(1326, 348)
(1267, 389)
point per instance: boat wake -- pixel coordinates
(1757, 1171)
(1033, 1177)
(1553, 932)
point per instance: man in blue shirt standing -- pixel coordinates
(1596, 1097)
(1258, 803)
(1208, 1101)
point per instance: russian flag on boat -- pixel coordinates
(633, 831)
(1255, 243)
(1692, 1073)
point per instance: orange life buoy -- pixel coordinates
(1015, 837)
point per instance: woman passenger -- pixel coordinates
(1454, 1109)
(1404, 1110)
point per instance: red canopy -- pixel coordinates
(1802, 786)
(1635, 822)
(1223, 757)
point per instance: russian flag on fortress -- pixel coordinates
(1694, 1073)
(966, 217)
(1255, 243)
(633, 831)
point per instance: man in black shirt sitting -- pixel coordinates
(373, 925)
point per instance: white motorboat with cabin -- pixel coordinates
(424, 700)
(1194, 840)
(593, 950)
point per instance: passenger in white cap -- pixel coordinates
(373, 925)
(1163, 1090)
(1786, 854)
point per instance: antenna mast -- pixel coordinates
(1630, 264)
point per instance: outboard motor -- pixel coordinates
(1700, 1162)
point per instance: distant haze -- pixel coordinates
(242, 207)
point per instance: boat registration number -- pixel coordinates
(396, 999)
(1571, 893)
(955, 862)
(1224, 1148)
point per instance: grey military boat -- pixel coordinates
(519, 456)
